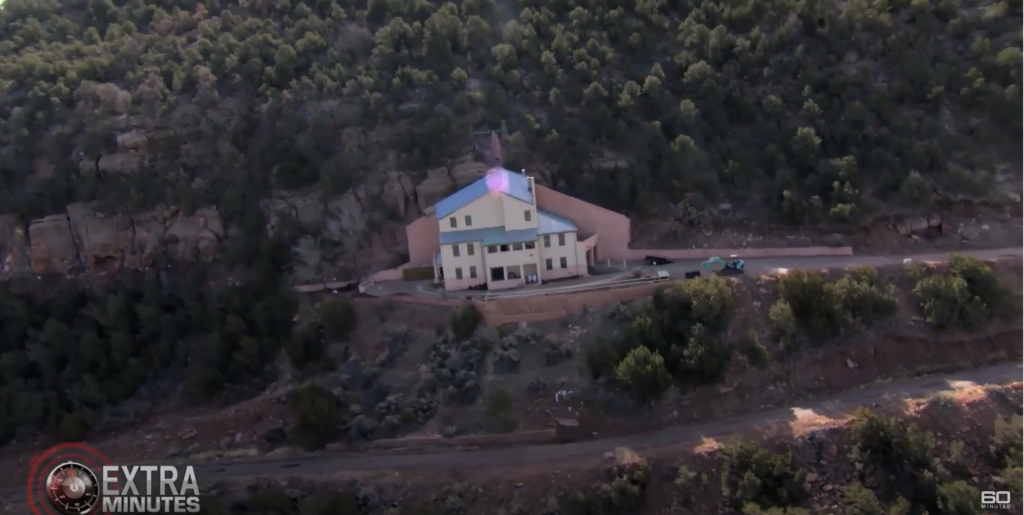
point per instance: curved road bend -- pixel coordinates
(332, 463)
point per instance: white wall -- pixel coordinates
(485, 211)
(570, 251)
(449, 262)
(514, 214)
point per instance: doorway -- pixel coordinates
(530, 273)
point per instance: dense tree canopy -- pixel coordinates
(831, 107)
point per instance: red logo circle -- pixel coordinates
(62, 480)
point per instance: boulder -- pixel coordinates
(397, 192)
(52, 247)
(123, 163)
(195, 237)
(134, 140)
(100, 240)
(436, 186)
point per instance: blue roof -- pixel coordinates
(503, 237)
(513, 184)
(488, 236)
(466, 236)
(550, 223)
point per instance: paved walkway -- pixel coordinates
(679, 268)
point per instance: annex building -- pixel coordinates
(493, 234)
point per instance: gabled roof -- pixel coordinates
(497, 179)
(550, 223)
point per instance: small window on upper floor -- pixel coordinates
(455, 250)
(470, 249)
(452, 222)
(547, 240)
(530, 245)
(517, 246)
(469, 221)
(492, 249)
(504, 248)
(561, 240)
(527, 215)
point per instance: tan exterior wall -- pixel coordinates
(450, 262)
(571, 251)
(611, 227)
(422, 236)
(484, 212)
(514, 214)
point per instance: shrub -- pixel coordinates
(707, 301)
(754, 475)
(628, 490)
(884, 442)
(1007, 451)
(704, 359)
(338, 317)
(752, 348)
(465, 321)
(73, 427)
(329, 502)
(811, 301)
(970, 294)
(304, 347)
(825, 308)
(317, 417)
(601, 359)
(859, 500)
(643, 373)
(958, 498)
(947, 302)
(783, 321)
(501, 410)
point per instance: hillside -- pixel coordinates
(356, 116)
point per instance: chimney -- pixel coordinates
(495, 148)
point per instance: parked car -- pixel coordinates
(656, 260)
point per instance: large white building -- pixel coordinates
(491, 233)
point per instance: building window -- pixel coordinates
(455, 250)
(472, 272)
(458, 273)
(515, 272)
(547, 264)
(452, 222)
(561, 240)
(547, 240)
(530, 245)
(498, 273)
(469, 221)
(517, 246)
(563, 262)
(504, 248)
(470, 249)
(492, 249)
(527, 215)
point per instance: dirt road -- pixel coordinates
(330, 464)
(769, 265)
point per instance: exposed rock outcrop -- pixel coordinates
(59, 244)
(360, 231)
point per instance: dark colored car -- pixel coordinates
(656, 260)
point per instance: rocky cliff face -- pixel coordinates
(360, 231)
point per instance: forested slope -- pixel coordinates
(809, 107)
